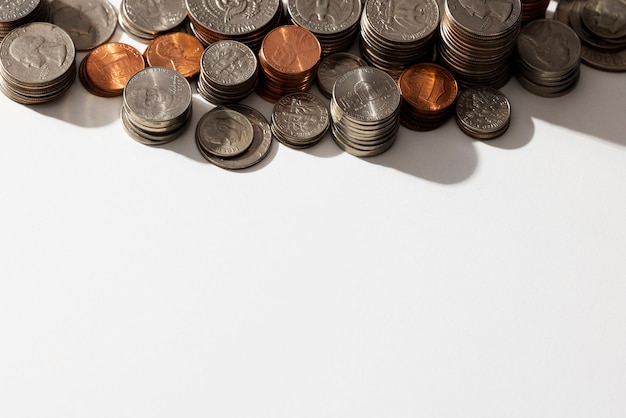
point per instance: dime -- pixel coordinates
(483, 112)
(224, 133)
(88, 22)
(300, 120)
(176, 50)
(107, 68)
(20, 12)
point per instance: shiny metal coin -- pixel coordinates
(300, 120)
(89, 23)
(146, 20)
(223, 132)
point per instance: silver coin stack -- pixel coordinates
(477, 39)
(548, 58)
(300, 120)
(483, 112)
(18, 13)
(157, 105)
(364, 111)
(334, 66)
(395, 35)
(37, 63)
(245, 21)
(89, 23)
(145, 21)
(335, 23)
(229, 72)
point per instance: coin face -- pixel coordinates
(402, 21)
(176, 50)
(300, 119)
(485, 17)
(325, 17)
(154, 16)
(107, 69)
(16, 10)
(291, 49)
(235, 17)
(229, 63)
(88, 22)
(428, 87)
(605, 18)
(224, 132)
(334, 66)
(549, 45)
(483, 112)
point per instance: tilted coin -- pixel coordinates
(88, 22)
(224, 132)
(483, 112)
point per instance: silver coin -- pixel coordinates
(402, 22)
(485, 18)
(229, 63)
(334, 66)
(605, 18)
(300, 119)
(153, 17)
(224, 132)
(233, 17)
(88, 22)
(483, 112)
(549, 46)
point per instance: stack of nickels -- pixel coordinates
(364, 111)
(179, 51)
(20, 12)
(229, 72)
(106, 69)
(37, 63)
(334, 66)
(534, 9)
(428, 95)
(548, 57)
(145, 20)
(246, 21)
(395, 35)
(300, 120)
(88, 22)
(288, 57)
(223, 136)
(335, 23)
(483, 112)
(477, 38)
(157, 105)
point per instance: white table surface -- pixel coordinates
(448, 277)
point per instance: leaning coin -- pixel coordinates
(88, 22)
(224, 133)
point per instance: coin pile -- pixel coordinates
(428, 94)
(334, 66)
(548, 58)
(288, 57)
(335, 23)
(364, 111)
(477, 39)
(89, 23)
(157, 105)
(146, 20)
(229, 72)
(483, 112)
(179, 51)
(18, 13)
(105, 70)
(394, 35)
(300, 120)
(221, 137)
(245, 21)
(534, 9)
(37, 63)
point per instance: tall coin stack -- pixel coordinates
(18, 13)
(396, 35)
(364, 111)
(245, 21)
(37, 63)
(335, 23)
(548, 57)
(477, 39)
(146, 20)
(289, 57)
(157, 105)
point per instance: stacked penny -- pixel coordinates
(428, 95)
(176, 50)
(364, 111)
(14, 14)
(548, 57)
(335, 23)
(37, 63)
(157, 105)
(288, 57)
(145, 21)
(483, 112)
(300, 120)
(534, 9)
(106, 69)
(396, 35)
(229, 72)
(477, 39)
(245, 21)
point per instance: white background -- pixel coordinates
(448, 277)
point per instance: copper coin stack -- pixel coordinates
(245, 21)
(145, 21)
(289, 57)
(428, 95)
(18, 14)
(176, 50)
(106, 69)
(534, 9)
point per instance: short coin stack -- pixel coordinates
(146, 20)
(157, 105)
(300, 120)
(37, 63)
(548, 58)
(229, 72)
(18, 13)
(364, 111)
(483, 112)
(105, 70)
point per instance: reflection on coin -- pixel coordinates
(483, 112)
(106, 69)
(176, 50)
(224, 132)
(88, 22)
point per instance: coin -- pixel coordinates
(88, 22)
(483, 112)
(107, 68)
(144, 20)
(300, 120)
(176, 50)
(334, 66)
(17, 13)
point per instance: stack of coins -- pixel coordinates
(176, 50)
(37, 63)
(229, 72)
(144, 20)
(548, 57)
(477, 38)
(334, 66)
(18, 13)
(289, 57)
(221, 135)
(483, 112)
(245, 21)
(395, 35)
(105, 71)
(364, 111)
(300, 120)
(335, 23)
(428, 94)
(157, 105)
(89, 23)
(534, 9)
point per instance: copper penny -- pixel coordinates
(177, 50)
(428, 87)
(107, 69)
(291, 49)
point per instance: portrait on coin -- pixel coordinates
(81, 21)
(610, 16)
(154, 102)
(408, 15)
(226, 131)
(494, 12)
(151, 13)
(551, 48)
(35, 51)
(231, 8)
(180, 59)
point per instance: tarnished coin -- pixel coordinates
(334, 66)
(483, 112)
(223, 132)
(146, 19)
(176, 50)
(300, 120)
(605, 18)
(88, 22)
(107, 68)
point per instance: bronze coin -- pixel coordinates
(428, 87)
(291, 49)
(108, 67)
(177, 50)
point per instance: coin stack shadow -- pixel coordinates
(300, 120)
(16, 14)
